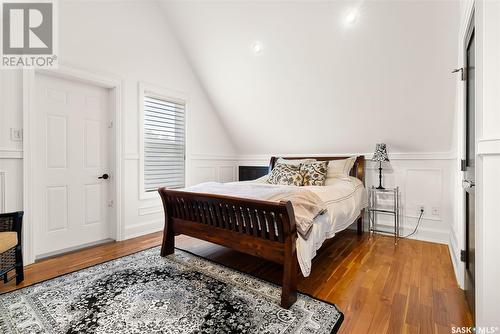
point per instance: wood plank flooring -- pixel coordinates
(380, 287)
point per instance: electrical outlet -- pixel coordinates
(16, 134)
(420, 210)
(435, 211)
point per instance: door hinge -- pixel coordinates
(463, 165)
(463, 255)
(462, 73)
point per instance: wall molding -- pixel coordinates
(11, 153)
(149, 210)
(211, 167)
(426, 215)
(233, 170)
(368, 156)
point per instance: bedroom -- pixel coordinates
(229, 85)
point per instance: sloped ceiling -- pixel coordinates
(319, 85)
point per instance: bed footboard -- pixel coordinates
(259, 228)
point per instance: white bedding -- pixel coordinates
(307, 205)
(345, 198)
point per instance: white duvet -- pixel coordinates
(344, 198)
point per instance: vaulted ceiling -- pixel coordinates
(328, 76)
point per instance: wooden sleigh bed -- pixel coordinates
(260, 228)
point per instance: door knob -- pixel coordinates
(104, 176)
(466, 184)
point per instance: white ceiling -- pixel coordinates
(319, 86)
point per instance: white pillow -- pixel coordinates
(294, 162)
(339, 169)
(262, 179)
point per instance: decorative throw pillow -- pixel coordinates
(284, 174)
(314, 174)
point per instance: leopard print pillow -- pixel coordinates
(284, 174)
(314, 174)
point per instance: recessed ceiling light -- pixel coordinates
(351, 16)
(257, 47)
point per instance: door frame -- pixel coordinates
(30, 186)
(470, 30)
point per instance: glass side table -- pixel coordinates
(384, 201)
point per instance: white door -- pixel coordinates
(73, 151)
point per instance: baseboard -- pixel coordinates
(422, 234)
(138, 230)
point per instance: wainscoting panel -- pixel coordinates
(227, 173)
(426, 183)
(206, 169)
(144, 216)
(425, 180)
(424, 188)
(150, 210)
(204, 174)
(11, 180)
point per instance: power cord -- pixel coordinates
(416, 227)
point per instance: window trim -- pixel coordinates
(155, 91)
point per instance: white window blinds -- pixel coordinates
(164, 143)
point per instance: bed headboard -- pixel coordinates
(358, 170)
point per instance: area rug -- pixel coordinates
(146, 293)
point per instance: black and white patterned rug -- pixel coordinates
(145, 293)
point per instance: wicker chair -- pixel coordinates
(11, 256)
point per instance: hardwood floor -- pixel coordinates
(381, 288)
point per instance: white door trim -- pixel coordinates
(30, 203)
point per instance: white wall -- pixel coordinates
(319, 86)
(131, 41)
(11, 196)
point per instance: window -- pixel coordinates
(164, 143)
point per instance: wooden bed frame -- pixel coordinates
(260, 228)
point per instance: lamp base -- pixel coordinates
(380, 176)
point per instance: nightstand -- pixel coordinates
(385, 202)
